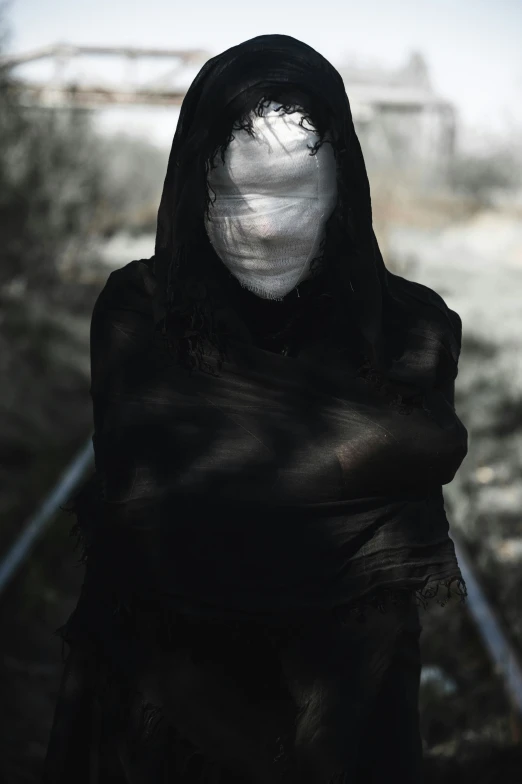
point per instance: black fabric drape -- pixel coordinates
(379, 300)
(302, 475)
(308, 468)
(284, 482)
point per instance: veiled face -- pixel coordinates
(272, 201)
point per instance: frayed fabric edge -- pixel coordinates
(191, 761)
(431, 591)
(385, 598)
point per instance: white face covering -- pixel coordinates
(272, 201)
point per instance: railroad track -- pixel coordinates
(503, 654)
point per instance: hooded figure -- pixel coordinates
(274, 423)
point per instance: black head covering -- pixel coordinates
(383, 306)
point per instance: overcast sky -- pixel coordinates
(473, 47)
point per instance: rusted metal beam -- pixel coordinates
(79, 95)
(70, 50)
(501, 650)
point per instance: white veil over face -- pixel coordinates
(271, 201)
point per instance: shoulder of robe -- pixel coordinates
(122, 321)
(129, 287)
(445, 322)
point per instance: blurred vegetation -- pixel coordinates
(63, 189)
(51, 176)
(482, 175)
(50, 180)
(134, 171)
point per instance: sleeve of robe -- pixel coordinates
(447, 385)
(121, 326)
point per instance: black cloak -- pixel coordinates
(277, 480)
(299, 463)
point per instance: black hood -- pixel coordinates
(270, 67)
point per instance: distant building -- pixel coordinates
(400, 119)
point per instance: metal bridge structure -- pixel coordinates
(62, 78)
(399, 116)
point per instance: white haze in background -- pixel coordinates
(472, 47)
(156, 124)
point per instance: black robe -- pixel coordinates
(300, 478)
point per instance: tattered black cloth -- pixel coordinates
(281, 484)
(299, 473)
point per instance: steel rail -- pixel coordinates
(500, 649)
(36, 524)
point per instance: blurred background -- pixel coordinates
(89, 99)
